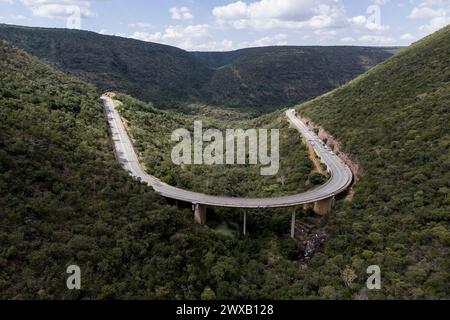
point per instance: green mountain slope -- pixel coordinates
(152, 129)
(152, 71)
(259, 80)
(394, 121)
(267, 78)
(64, 200)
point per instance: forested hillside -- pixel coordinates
(271, 77)
(394, 121)
(64, 200)
(258, 80)
(152, 129)
(149, 70)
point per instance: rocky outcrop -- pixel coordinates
(335, 145)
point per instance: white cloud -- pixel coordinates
(232, 11)
(407, 36)
(295, 14)
(435, 24)
(224, 45)
(197, 37)
(182, 13)
(369, 24)
(347, 40)
(359, 20)
(290, 10)
(436, 11)
(16, 17)
(376, 40)
(142, 25)
(117, 34)
(376, 27)
(59, 9)
(227, 45)
(325, 32)
(425, 12)
(287, 14)
(380, 2)
(186, 37)
(277, 40)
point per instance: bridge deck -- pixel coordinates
(341, 175)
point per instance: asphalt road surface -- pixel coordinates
(341, 175)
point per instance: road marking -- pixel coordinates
(341, 175)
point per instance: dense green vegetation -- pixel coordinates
(267, 78)
(394, 121)
(151, 130)
(258, 80)
(147, 70)
(64, 200)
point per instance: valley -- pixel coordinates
(341, 176)
(65, 199)
(151, 131)
(171, 78)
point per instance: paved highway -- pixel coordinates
(341, 175)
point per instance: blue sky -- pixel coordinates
(230, 24)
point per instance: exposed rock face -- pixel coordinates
(111, 95)
(334, 144)
(323, 207)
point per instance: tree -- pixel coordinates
(208, 294)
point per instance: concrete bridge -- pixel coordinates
(322, 197)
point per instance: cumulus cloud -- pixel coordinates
(371, 23)
(61, 9)
(380, 2)
(437, 13)
(13, 17)
(108, 33)
(58, 11)
(186, 37)
(376, 40)
(425, 12)
(288, 10)
(348, 40)
(198, 38)
(288, 14)
(182, 13)
(276, 40)
(224, 45)
(435, 24)
(407, 36)
(297, 14)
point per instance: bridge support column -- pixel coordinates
(293, 225)
(323, 207)
(200, 213)
(245, 224)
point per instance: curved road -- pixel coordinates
(341, 175)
